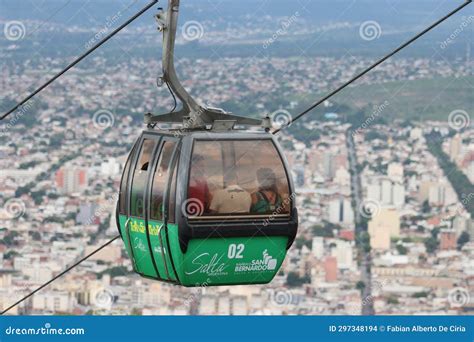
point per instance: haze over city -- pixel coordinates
(383, 171)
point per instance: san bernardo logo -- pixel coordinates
(267, 263)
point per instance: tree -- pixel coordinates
(360, 285)
(392, 300)
(136, 312)
(294, 280)
(322, 231)
(10, 254)
(402, 250)
(463, 239)
(36, 236)
(425, 207)
(422, 294)
(431, 244)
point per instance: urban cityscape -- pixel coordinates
(384, 196)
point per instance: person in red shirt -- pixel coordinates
(198, 190)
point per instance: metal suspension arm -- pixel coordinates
(192, 114)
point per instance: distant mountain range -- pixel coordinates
(332, 26)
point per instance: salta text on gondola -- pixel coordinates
(213, 265)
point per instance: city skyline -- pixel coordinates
(383, 185)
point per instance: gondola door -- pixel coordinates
(161, 206)
(137, 234)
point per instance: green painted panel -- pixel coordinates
(122, 221)
(141, 251)
(175, 249)
(160, 250)
(208, 262)
(226, 261)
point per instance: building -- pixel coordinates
(318, 247)
(342, 251)
(455, 146)
(382, 227)
(330, 269)
(386, 192)
(53, 302)
(71, 180)
(328, 165)
(395, 172)
(340, 211)
(448, 239)
(437, 195)
(110, 167)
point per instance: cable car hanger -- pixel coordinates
(192, 115)
(197, 109)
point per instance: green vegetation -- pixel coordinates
(402, 250)
(360, 285)
(458, 179)
(10, 255)
(422, 294)
(426, 208)
(114, 272)
(392, 300)
(294, 280)
(463, 239)
(326, 229)
(431, 244)
(301, 241)
(416, 100)
(10, 239)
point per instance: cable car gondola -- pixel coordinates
(206, 203)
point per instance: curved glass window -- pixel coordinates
(160, 179)
(124, 184)
(140, 178)
(237, 177)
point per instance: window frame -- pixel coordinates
(163, 140)
(158, 141)
(209, 218)
(124, 181)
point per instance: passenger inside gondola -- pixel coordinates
(238, 178)
(267, 198)
(232, 199)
